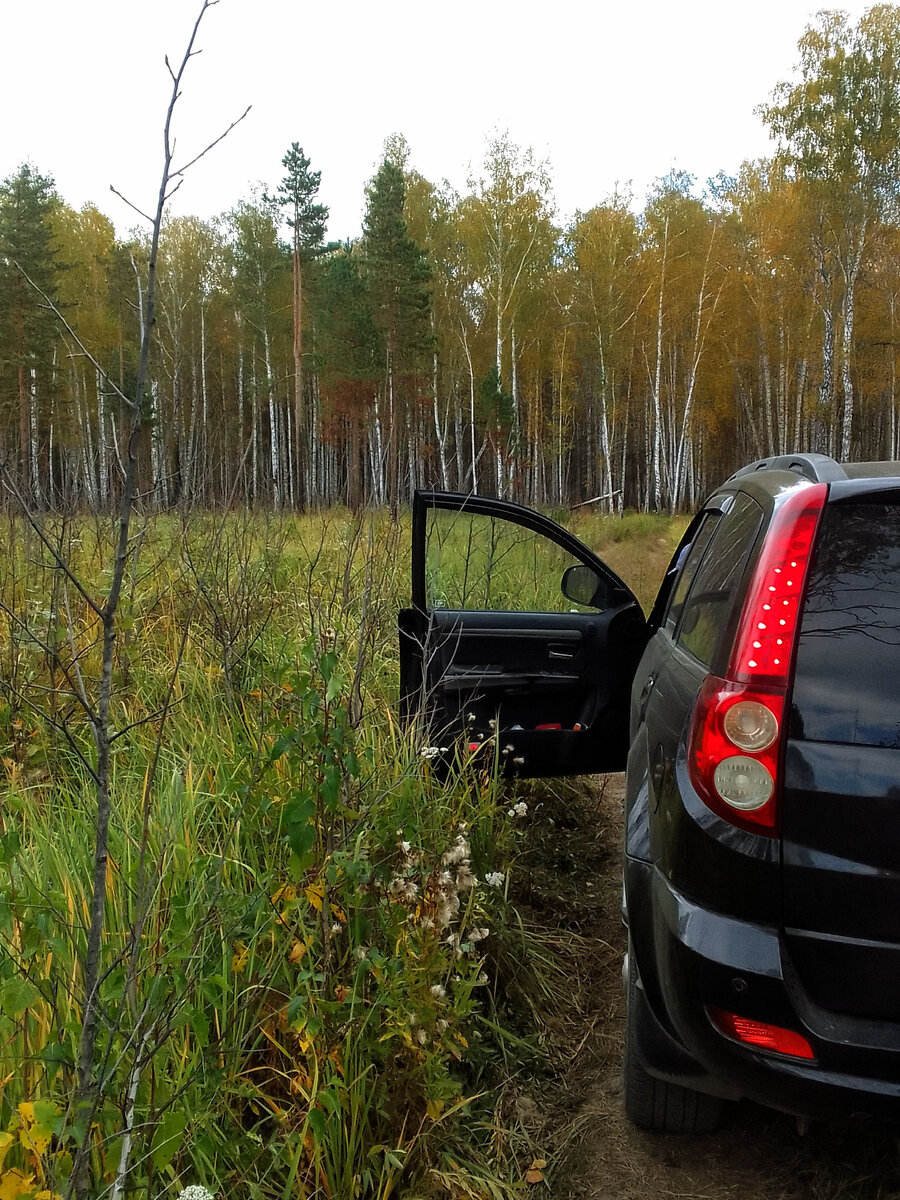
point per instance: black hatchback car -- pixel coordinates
(758, 709)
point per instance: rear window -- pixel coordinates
(847, 683)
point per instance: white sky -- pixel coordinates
(609, 92)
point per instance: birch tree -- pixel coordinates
(838, 127)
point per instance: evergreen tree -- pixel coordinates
(398, 275)
(306, 220)
(348, 357)
(27, 328)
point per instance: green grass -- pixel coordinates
(292, 991)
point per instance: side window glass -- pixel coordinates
(484, 563)
(691, 557)
(709, 603)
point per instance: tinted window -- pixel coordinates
(690, 559)
(847, 684)
(710, 601)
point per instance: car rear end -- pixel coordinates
(766, 916)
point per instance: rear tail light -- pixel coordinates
(733, 756)
(763, 648)
(737, 728)
(760, 1035)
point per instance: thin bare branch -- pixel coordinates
(140, 212)
(196, 159)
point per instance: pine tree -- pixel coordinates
(27, 328)
(398, 275)
(306, 220)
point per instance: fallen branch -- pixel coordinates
(596, 499)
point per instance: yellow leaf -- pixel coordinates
(539, 1164)
(315, 894)
(434, 1108)
(6, 1140)
(239, 958)
(14, 1184)
(34, 1136)
(533, 1175)
(298, 950)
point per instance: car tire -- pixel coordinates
(651, 1103)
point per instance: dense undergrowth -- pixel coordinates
(306, 927)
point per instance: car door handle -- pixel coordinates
(557, 652)
(646, 692)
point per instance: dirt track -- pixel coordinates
(756, 1155)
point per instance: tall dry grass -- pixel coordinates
(299, 935)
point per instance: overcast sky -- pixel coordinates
(608, 92)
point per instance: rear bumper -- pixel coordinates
(690, 959)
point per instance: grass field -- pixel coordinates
(302, 991)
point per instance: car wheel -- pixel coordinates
(651, 1103)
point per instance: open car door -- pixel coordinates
(520, 643)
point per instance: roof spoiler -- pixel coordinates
(817, 468)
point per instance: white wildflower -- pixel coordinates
(478, 935)
(482, 978)
(494, 879)
(519, 810)
(441, 1026)
(360, 952)
(422, 1037)
(406, 847)
(195, 1191)
(336, 929)
(430, 752)
(438, 991)
(453, 941)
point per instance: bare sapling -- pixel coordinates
(94, 696)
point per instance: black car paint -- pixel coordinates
(704, 901)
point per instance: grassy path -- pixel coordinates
(756, 1155)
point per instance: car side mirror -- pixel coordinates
(582, 585)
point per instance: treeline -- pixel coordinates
(469, 341)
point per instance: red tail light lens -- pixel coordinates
(761, 1035)
(737, 726)
(729, 774)
(765, 639)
